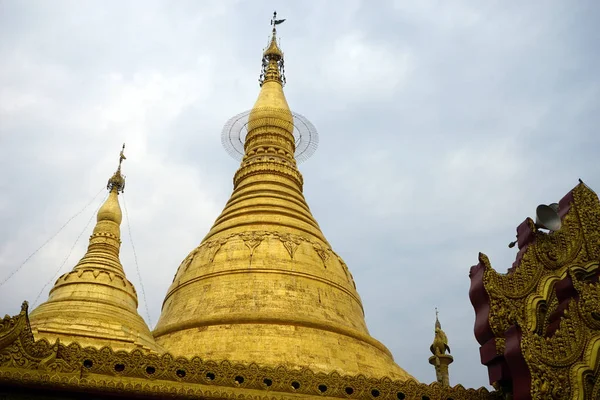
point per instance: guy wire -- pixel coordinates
(137, 267)
(70, 251)
(51, 237)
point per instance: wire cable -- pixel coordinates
(51, 237)
(69, 254)
(137, 267)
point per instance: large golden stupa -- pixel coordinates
(264, 308)
(264, 285)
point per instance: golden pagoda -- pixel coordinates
(95, 304)
(263, 308)
(264, 286)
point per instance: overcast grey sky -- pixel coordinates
(442, 126)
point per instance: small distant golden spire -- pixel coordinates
(440, 360)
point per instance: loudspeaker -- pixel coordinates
(546, 217)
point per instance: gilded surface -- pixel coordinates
(263, 308)
(264, 286)
(440, 340)
(440, 360)
(539, 324)
(95, 304)
(29, 364)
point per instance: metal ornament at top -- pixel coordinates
(235, 130)
(117, 181)
(305, 134)
(273, 54)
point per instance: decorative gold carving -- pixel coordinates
(251, 239)
(24, 362)
(263, 166)
(290, 242)
(322, 252)
(500, 345)
(214, 247)
(548, 305)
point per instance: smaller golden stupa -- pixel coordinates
(95, 304)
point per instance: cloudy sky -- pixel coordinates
(442, 126)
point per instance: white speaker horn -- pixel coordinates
(546, 217)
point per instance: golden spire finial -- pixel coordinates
(440, 343)
(272, 62)
(122, 156)
(117, 181)
(440, 360)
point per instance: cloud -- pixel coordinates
(442, 126)
(365, 70)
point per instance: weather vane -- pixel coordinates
(275, 21)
